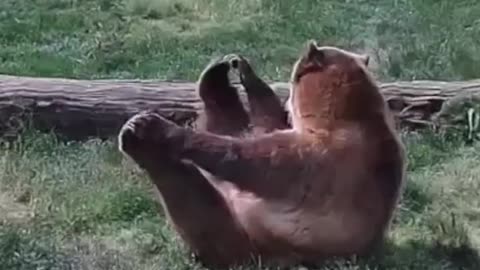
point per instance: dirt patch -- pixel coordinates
(12, 211)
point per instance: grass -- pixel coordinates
(87, 207)
(170, 39)
(71, 205)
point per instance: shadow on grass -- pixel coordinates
(421, 254)
(411, 255)
(20, 249)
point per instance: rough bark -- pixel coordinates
(79, 109)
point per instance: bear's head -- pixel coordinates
(329, 87)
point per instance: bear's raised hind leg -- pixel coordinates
(266, 111)
(195, 208)
(223, 112)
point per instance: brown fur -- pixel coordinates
(223, 112)
(326, 187)
(266, 110)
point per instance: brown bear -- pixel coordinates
(327, 186)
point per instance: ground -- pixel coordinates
(68, 205)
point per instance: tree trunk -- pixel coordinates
(79, 109)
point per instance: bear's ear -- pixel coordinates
(310, 49)
(365, 59)
(312, 53)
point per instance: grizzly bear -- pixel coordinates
(326, 186)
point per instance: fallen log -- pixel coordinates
(79, 109)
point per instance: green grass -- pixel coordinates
(82, 206)
(88, 207)
(169, 39)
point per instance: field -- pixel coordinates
(71, 205)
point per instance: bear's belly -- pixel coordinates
(278, 231)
